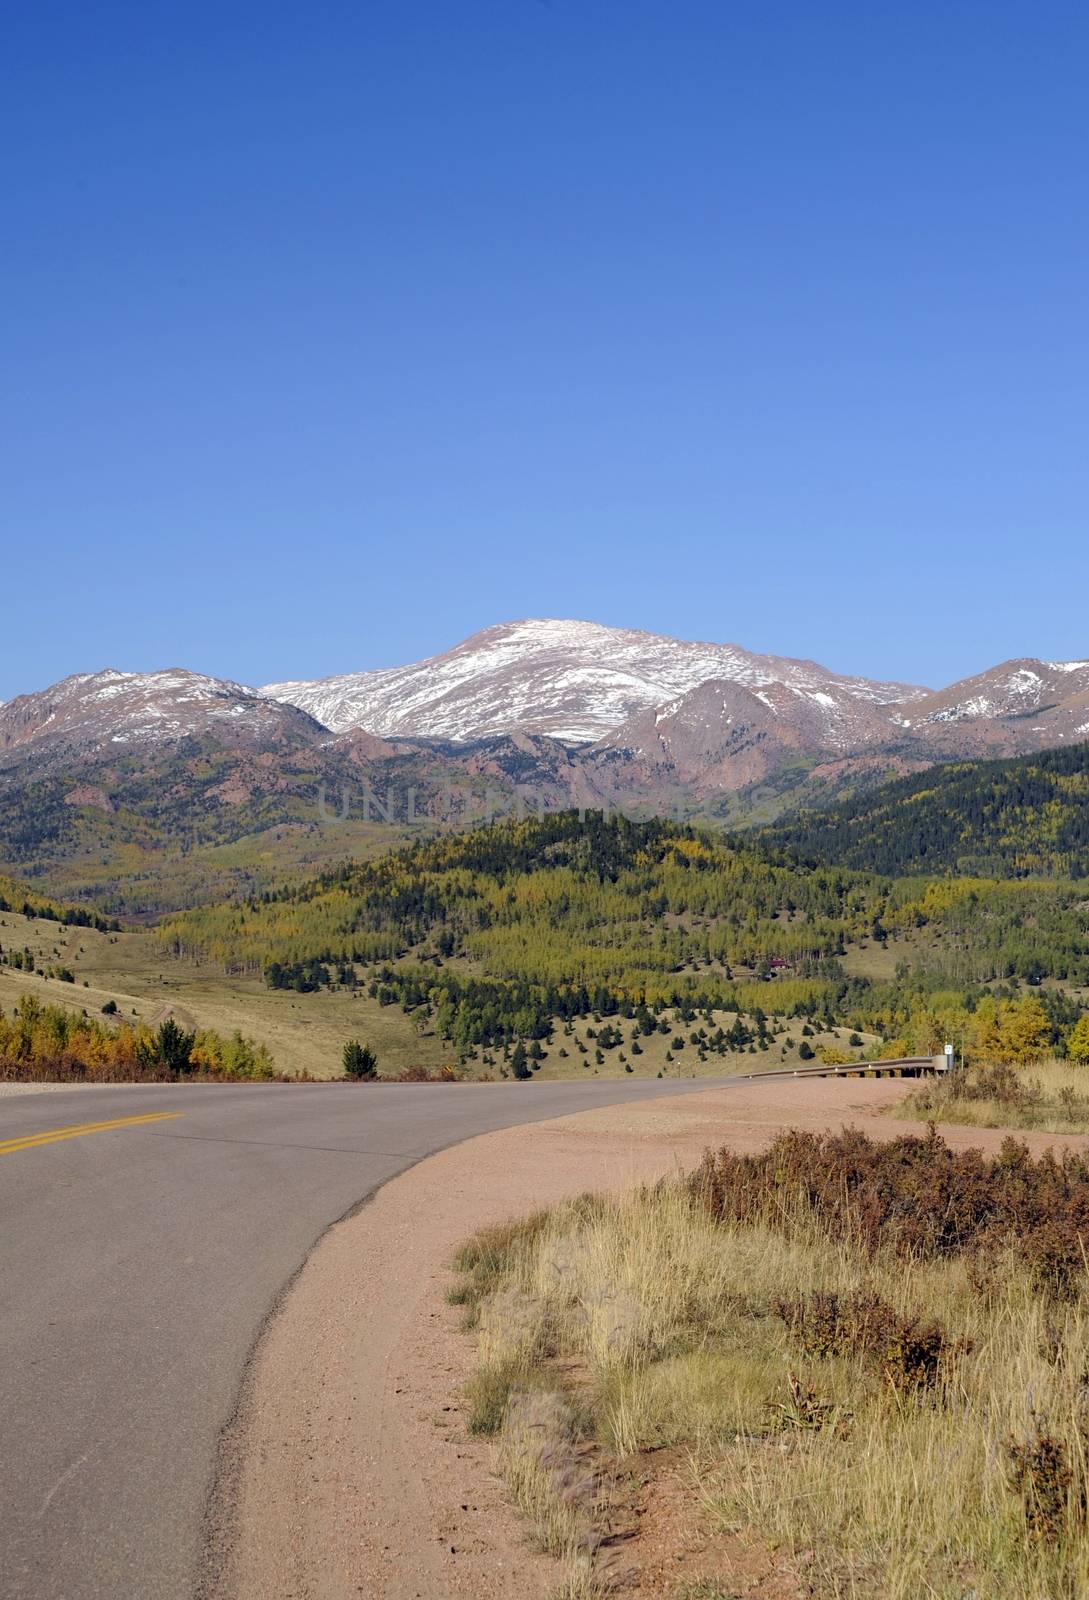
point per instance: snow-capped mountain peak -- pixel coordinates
(95, 709)
(574, 681)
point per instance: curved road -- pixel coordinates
(137, 1265)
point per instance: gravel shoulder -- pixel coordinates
(348, 1469)
(7, 1088)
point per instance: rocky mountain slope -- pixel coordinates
(573, 681)
(124, 711)
(722, 735)
(591, 700)
(1018, 706)
(703, 716)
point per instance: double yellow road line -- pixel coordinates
(31, 1141)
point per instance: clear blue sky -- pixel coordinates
(333, 333)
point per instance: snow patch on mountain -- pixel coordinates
(574, 681)
(147, 708)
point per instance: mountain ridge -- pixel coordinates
(573, 681)
(105, 763)
(711, 716)
(1027, 816)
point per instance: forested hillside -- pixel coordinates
(505, 934)
(1019, 818)
(16, 896)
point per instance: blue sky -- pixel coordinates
(334, 333)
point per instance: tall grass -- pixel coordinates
(1052, 1096)
(684, 1329)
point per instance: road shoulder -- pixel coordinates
(348, 1469)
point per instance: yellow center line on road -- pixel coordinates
(31, 1141)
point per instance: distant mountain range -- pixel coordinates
(577, 712)
(713, 715)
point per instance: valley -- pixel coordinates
(305, 1033)
(575, 948)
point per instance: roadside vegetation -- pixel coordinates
(872, 1354)
(1052, 1096)
(52, 1044)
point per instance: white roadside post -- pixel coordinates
(949, 1058)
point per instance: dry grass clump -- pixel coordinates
(868, 1351)
(554, 1480)
(1052, 1096)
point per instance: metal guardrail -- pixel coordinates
(904, 1067)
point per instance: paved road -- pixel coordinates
(137, 1265)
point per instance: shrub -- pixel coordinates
(808, 1412)
(360, 1060)
(1001, 1084)
(1039, 1473)
(908, 1351)
(915, 1195)
(1077, 1040)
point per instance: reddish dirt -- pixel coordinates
(350, 1470)
(672, 1545)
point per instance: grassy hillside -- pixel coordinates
(1028, 816)
(570, 946)
(584, 940)
(305, 1032)
(17, 896)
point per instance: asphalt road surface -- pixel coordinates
(137, 1265)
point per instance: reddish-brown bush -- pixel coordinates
(913, 1195)
(909, 1351)
(1041, 1476)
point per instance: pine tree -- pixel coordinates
(360, 1060)
(172, 1048)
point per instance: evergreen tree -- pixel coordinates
(172, 1048)
(360, 1060)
